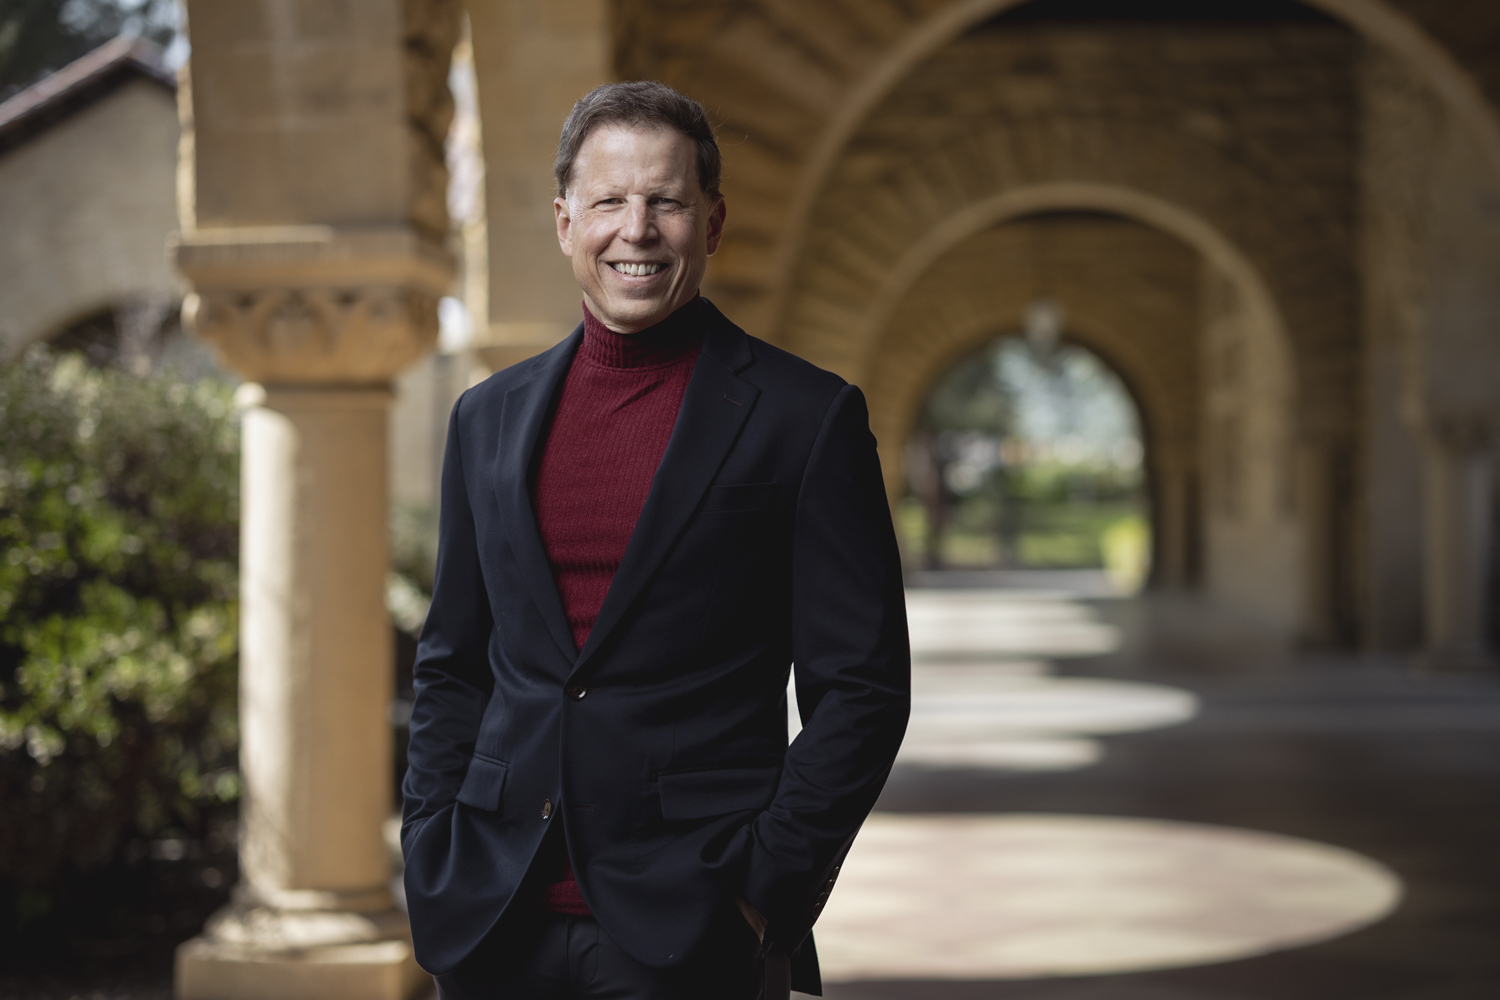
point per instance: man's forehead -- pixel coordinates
(615, 154)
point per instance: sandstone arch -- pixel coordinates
(799, 88)
(794, 82)
(1168, 302)
(1376, 20)
(1063, 196)
(1234, 217)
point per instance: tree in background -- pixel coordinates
(119, 537)
(1027, 455)
(38, 37)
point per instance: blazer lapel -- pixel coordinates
(522, 419)
(714, 408)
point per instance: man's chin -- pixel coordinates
(633, 316)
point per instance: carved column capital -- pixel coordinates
(311, 304)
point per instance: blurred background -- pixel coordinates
(1179, 325)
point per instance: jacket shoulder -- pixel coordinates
(793, 386)
(490, 392)
(783, 366)
(763, 363)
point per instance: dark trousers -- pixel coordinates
(535, 955)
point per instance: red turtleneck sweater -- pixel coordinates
(614, 416)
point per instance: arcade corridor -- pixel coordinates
(1395, 768)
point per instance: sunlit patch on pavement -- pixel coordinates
(977, 703)
(1028, 896)
(1038, 753)
(1052, 705)
(964, 623)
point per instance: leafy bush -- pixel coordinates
(118, 617)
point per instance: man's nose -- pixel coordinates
(640, 221)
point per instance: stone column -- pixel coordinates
(1175, 498)
(313, 216)
(1457, 544)
(1324, 549)
(313, 916)
(532, 61)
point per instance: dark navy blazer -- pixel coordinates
(662, 744)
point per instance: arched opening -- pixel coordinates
(1177, 315)
(139, 334)
(1027, 454)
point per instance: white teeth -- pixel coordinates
(637, 270)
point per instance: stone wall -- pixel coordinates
(1252, 542)
(1431, 258)
(88, 205)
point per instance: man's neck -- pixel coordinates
(660, 344)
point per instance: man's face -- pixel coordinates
(637, 225)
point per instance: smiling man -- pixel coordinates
(642, 530)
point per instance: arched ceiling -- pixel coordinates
(1000, 113)
(793, 81)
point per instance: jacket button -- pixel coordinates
(546, 809)
(575, 691)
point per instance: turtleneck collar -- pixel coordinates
(675, 337)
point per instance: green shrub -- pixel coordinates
(118, 617)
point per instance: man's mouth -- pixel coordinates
(636, 270)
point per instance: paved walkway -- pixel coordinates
(1151, 800)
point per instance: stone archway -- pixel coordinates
(1176, 310)
(1004, 122)
(889, 208)
(792, 84)
(797, 87)
(1376, 20)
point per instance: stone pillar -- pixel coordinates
(532, 62)
(1316, 503)
(1457, 522)
(313, 917)
(1175, 544)
(312, 224)
(1390, 549)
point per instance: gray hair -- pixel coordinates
(642, 104)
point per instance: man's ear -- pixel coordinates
(565, 226)
(715, 226)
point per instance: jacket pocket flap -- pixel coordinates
(698, 794)
(739, 496)
(483, 783)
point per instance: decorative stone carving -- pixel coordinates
(316, 334)
(311, 304)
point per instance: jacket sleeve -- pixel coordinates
(853, 675)
(451, 676)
